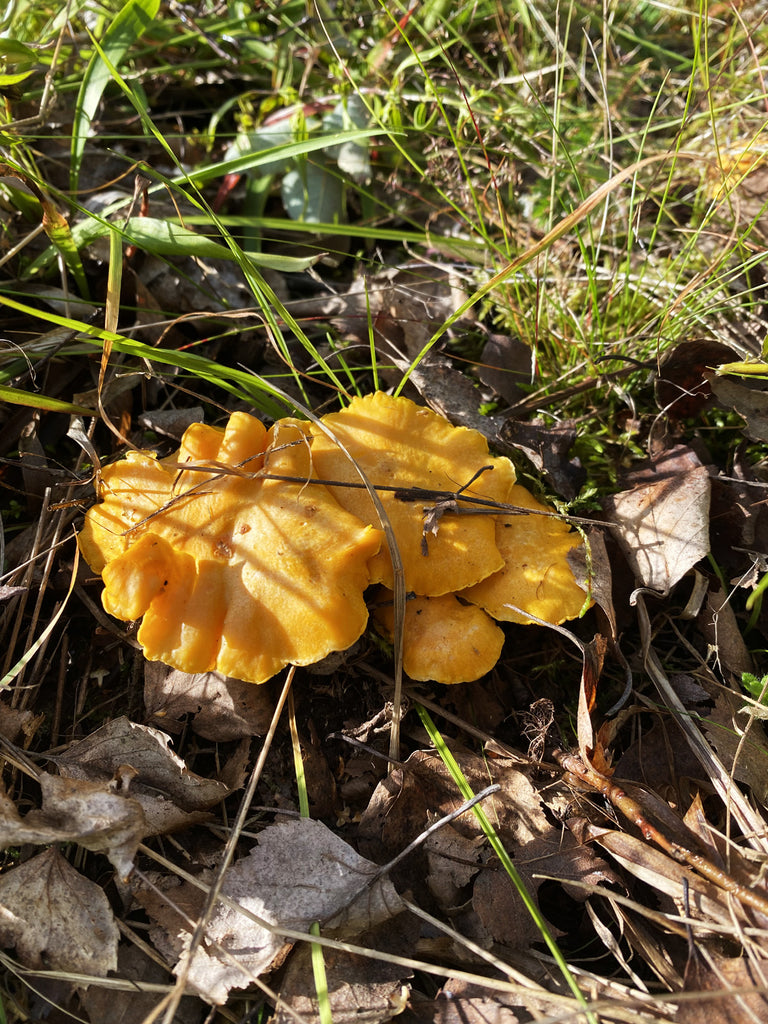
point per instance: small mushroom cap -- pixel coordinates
(536, 576)
(136, 488)
(398, 443)
(231, 571)
(444, 640)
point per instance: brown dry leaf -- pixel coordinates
(360, 988)
(667, 876)
(683, 387)
(454, 860)
(505, 364)
(93, 814)
(299, 873)
(405, 304)
(222, 708)
(160, 773)
(662, 522)
(725, 985)
(590, 746)
(748, 398)
(170, 905)
(234, 771)
(133, 1006)
(6, 592)
(746, 756)
(16, 724)
(56, 919)
(450, 392)
(696, 820)
(720, 628)
(592, 570)
(555, 854)
(411, 798)
(547, 447)
(662, 761)
(461, 1002)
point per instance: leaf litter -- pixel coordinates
(121, 784)
(299, 873)
(665, 926)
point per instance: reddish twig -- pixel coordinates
(631, 809)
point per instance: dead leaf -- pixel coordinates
(412, 797)
(454, 860)
(555, 854)
(662, 522)
(716, 981)
(222, 708)
(133, 1006)
(505, 365)
(93, 814)
(147, 751)
(56, 919)
(171, 422)
(667, 876)
(546, 448)
(172, 906)
(745, 756)
(714, 846)
(450, 392)
(235, 771)
(683, 386)
(15, 723)
(590, 747)
(720, 628)
(461, 1002)
(662, 761)
(360, 988)
(299, 873)
(748, 398)
(591, 567)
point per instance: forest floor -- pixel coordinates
(544, 221)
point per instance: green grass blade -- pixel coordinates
(321, 979)
(57, 229)
(243, 385)
(504, 858)
(129, 25)
(164, 238)
(15, 396)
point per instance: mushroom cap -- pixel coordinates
(135, 489)
(444, 640)
(398, 443)
(536, 576)
(231, 571)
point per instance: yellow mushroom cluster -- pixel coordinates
(252, 549)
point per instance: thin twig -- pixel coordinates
(632, 810)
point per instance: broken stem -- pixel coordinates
(632, 810)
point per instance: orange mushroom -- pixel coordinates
(536, 577)
(400, 444)
(231, 571)
(444, 640)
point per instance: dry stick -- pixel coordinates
(229, 852)
(632, 810)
